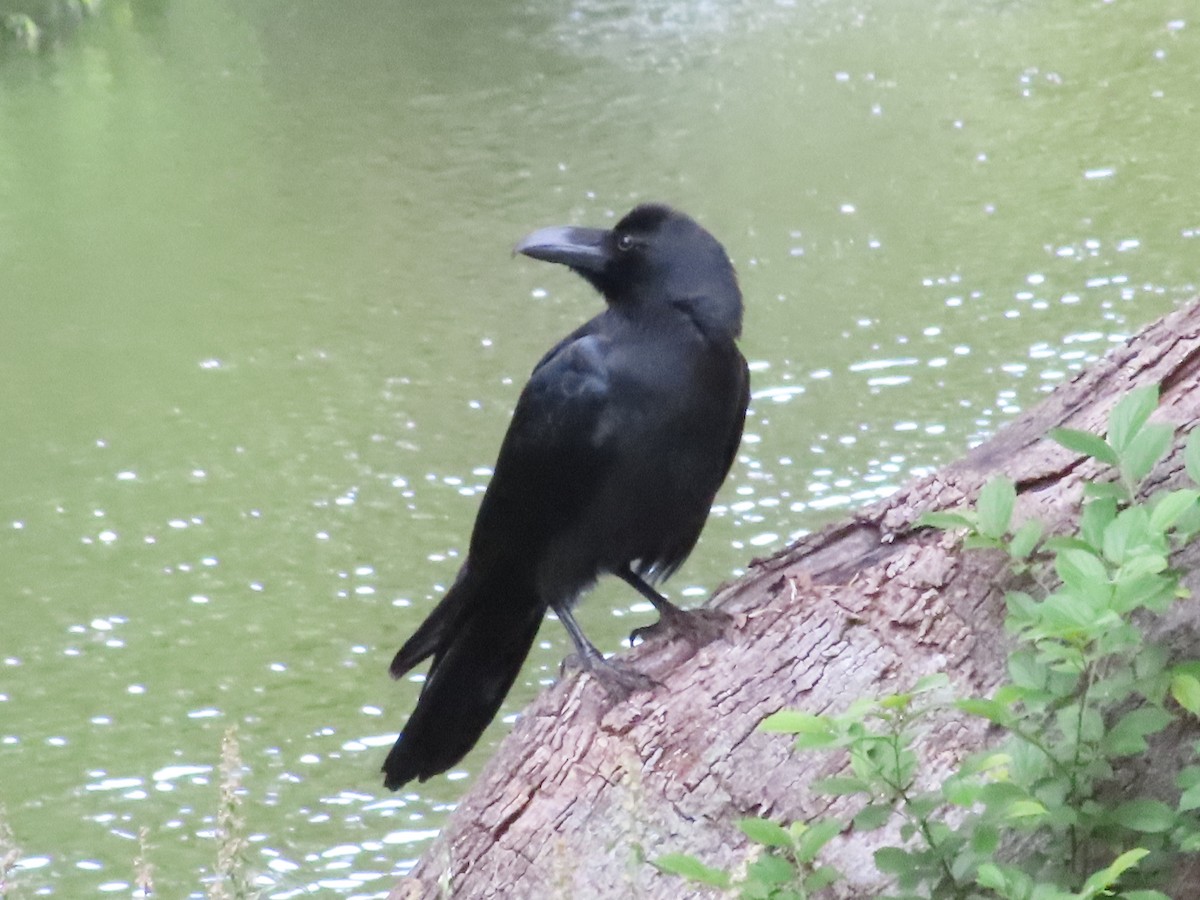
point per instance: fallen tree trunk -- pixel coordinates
(583, 788)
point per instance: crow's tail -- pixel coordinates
(478, 639)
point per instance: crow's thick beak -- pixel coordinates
(583, 249)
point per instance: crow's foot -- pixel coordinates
(617, 680)
(696, 626)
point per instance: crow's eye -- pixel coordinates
(625, 242)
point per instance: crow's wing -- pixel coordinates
(555, 452)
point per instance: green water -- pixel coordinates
(261, 334)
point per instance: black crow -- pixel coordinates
(615, 451)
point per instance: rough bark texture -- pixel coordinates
(583, 787)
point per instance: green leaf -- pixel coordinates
(1146, 562)
(841, 785)
(1058, 542)
(1185, 688)
(1129, 415)
(893, 860)
(771, 870)
(985, 709)
(985, 839)
(990, 876)
(692, 869)
(1190, 799)
(995, 505)
(1081, 571)
(822, 877)
(1139, 585)
(810, 841)
(1086, 443)
(1097, 515)
(896, 701)
(1008, 694)
(1067, 615)
(1171, 506)
(976, 541)
(764, 831)
(922, 807)
(1147, 448)
(998, 796)
(1082, 726)
(1188, 777)
(1147, 816)
(872, 816)
(1027, 671)
(1128, 735)
(1100, 881)
(1189, 667)
(1024, 809)
(1125, 534)
(1150, 662)
(1023, 611)
(1144, 895)
(1105, 490)
(1188, 525)
(1191, 455)
(961, 791)
(1115, 686)
(1026, 538)
(934, 682)
(858, 710)
(817, 741)
(795, 721)
(995, 763)
(944, 521)
(1007, 881)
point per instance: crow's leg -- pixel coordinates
(696, 626)
(619, 681)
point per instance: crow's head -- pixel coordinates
(653, 260)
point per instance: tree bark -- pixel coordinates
(584, 789)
